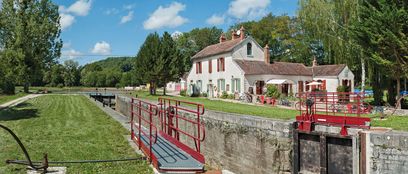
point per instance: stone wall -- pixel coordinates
(386, 152)
(240, 143)
(123, 105)
(249, 144)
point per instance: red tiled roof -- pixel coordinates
(327, 70)
(278, 68)
(217, 48)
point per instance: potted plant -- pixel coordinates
(272, 93)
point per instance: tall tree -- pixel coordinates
(55, 76)
(382, 32)
(170, 63)
(284, 36)
(328, 22)
(30, 38)
(71, 73)
(147, 62)
(189, 43)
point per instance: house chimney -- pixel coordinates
(267, 54)
(242, 33)
(234, 35)
(222, 38)
(314, 61)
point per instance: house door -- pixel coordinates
(210, 91)
(259, 87)
(285, 89)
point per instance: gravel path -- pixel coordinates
(18, 101)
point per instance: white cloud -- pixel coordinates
(70, 54)
(247, 8)
(80, 7)
(166, 17)
(127, 18)
(67, 45)
(102, 48)
(66, 20)
(129, 6)
(215, 20)
(176, 34)
(111, 11)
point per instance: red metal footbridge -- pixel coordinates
(343, 109)
(169, 134)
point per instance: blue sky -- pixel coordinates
(95, 29)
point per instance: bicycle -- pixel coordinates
(245, 97)
(300, 104)
(337, 107)
(284, 102)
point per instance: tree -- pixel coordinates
(328, 22)
(71, 73)
(30, 32)
(382, 32)
(147, 61)
(284, 36)
(170, 63)
(189, 43)
(55, 76)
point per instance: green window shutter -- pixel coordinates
(232, 85)
(218, 85)
(223, 84)
(239, 85)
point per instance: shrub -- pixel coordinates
(224, 95)
(183, 92)
(60, 85)
(231, 96)
(343, 97)
(272, 91)
(8, 87)
(204, 94)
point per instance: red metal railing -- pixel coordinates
(334, 103)
(332, 108)
(171, 112)
(143, 110)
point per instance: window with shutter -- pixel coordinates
(218, 65)
(209, 66)
(233, 85)
(223, 64)
(238, 85)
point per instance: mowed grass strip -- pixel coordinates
(67, 127)
(238, 108)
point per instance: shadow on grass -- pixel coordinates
(21, 111)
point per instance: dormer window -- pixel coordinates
(249, 49)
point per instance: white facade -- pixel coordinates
(234, 80)
(332, 82)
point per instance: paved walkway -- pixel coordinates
(18, 101)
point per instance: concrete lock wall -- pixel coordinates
(385, 152)
(239, 143)
(249, 144)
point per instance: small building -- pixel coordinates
(242, 65)
(177, 86)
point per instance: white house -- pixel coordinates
(242, 65)
(177, 86)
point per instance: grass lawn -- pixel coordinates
(394, 122)
(67, 127)
(7, 98)
(263, 111)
